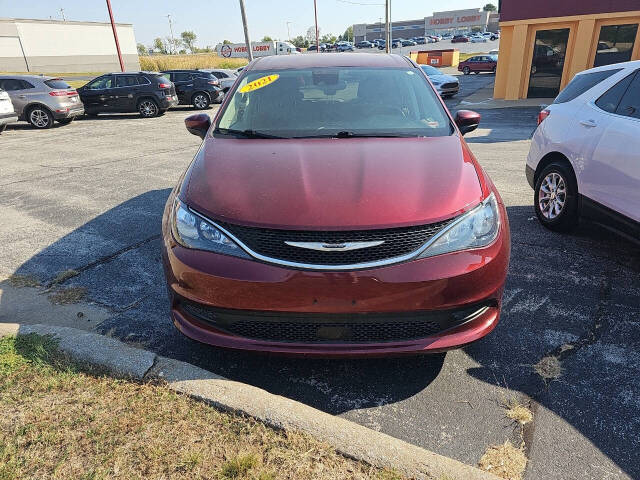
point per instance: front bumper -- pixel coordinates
(448, 90)
(209, 292)
(10, 117)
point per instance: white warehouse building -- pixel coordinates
(64, 46)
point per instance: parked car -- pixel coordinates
(479, 63)
(446, 36)
(460, 39)
(364, 44)
(446, 85)
(7, 113)
(150, 94)
(478, 39)
(402, 244)
(195, 87)
(491, 35)
(314, 47)
(583, 160)
(382, 44)
(345, 47)
(41, 100)
(396, 43)
(226, 78)
(421, 40)
(408, 43)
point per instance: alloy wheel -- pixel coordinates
(39, 118)
(552, 195)
(200, 101)
(148, 108)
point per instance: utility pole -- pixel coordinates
(62, 13)
(173, 40)
(315, 10)
(247, 40)
(115, 36)
(387, 21)
(288, 32)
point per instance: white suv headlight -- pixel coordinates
(475, 229)
(192, 231)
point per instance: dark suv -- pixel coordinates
(150, 94)
(195, 87)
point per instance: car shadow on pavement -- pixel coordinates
(580, 290)
(115, 259)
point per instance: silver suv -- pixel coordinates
(40, 100)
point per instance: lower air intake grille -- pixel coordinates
(332, 328)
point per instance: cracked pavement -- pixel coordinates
(89, 197)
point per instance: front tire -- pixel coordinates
(556, 198)
(200, 101)
(466, 70)
(40, 117)
(148, 108)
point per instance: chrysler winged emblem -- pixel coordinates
(334, 247)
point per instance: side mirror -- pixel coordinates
(198, 124)
(467, 121)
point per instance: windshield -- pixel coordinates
(335, 101)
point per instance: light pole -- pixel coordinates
(288, 32)
(115, 35)
(62, 13)
(315, 9)
(246, 30)
(173, 41)
(387, 21)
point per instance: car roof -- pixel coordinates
(276, 62)
(30, 77)
(614, 66)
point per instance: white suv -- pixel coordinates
(585, 154)
(7, 114)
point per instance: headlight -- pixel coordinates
(475, 229)
(192, 231)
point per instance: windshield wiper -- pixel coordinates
(245, 133)
(348, 134)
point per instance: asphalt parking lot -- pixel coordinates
(89, 197)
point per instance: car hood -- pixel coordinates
(332, 183)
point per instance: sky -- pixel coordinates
(216, 20)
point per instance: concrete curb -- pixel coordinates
(348, 438)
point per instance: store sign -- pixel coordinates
(463, 18)
(236, 50)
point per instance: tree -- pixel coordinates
(188, 39)
(300, 42)
(267, 38)
(311, 35)
(347, 36)
(489, 7)
(160, 45)
(328, 38)
(142, 50)
(226, 42)
(173, 44)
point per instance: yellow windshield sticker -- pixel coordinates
(259, 83)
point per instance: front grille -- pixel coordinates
(450, 85)
(397, 242)
(332, 328)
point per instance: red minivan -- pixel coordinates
(334, 209)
